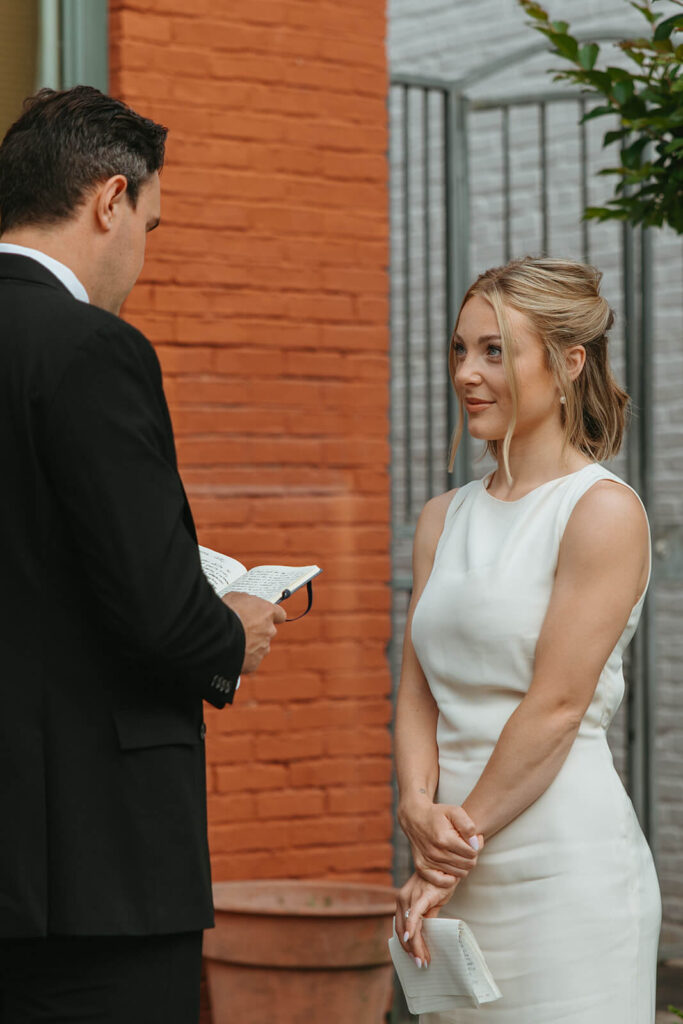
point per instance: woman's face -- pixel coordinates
(480, 381)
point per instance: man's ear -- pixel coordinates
(575, 359)
(108, 201)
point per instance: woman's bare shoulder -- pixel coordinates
(608, 528)
(608, 505)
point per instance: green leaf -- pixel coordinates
(565, 45)
(631, 155)
(636, 56)
(588, 54)
(674, 147)
(635, 44)
(651, 95)
(598, 112)
(633, 107)
(560, 26)
(600, 213)
(621, 74)
(600, 80)
(622, 91)
(534, 10)
(645, 10)
(669, 25)
(658, 124)
(610, 137)
(636, 177)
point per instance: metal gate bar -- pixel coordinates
(427, 283)
(407, 405)
(457, 248)
(543, 152)
(583, 164)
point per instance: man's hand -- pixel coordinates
(258, 617)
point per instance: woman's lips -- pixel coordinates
(476, 404)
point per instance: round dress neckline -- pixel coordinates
(515, 501)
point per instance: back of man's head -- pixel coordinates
(63, 145)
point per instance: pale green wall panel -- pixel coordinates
(85, 43)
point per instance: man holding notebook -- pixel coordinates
(110, 633)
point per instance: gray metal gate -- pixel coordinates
(436, 215)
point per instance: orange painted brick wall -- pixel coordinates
(266, 295)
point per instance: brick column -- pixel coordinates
(265, 294)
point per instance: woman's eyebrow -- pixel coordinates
(482, 338)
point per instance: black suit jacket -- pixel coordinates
(110, 635)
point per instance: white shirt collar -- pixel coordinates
(62, 272)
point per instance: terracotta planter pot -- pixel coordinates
(296, 952)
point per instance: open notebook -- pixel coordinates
(458, 974)
(271, 582)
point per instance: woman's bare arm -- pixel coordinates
(438, 833)
(602, 571)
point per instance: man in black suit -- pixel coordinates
(110, 635)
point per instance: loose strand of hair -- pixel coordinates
(495, 298)
(457, 438)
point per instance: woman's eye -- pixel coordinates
(495, 351)
(459, 350)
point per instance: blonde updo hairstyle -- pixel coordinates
(562, 303)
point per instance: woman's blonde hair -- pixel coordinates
(562, 302)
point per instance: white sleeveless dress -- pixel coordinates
(564, 901)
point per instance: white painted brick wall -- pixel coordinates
(448, 39)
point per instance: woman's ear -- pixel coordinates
(575, 359)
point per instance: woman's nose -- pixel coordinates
(467, 370)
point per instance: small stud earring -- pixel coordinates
(563, 400)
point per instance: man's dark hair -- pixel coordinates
(63, 145)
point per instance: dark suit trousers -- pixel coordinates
(101, 980)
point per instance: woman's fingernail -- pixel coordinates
(474, 843)
(406, 936)
(418, 961)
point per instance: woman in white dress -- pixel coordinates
(528, 586)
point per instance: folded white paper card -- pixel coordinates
(458, 974)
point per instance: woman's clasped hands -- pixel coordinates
(445, 846)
